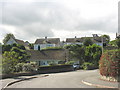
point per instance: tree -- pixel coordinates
(76, 52)
(6, 48)
(118, 42)
(87, 42)
(9, 61)
(106, 37)
(7, 37)
(22, 54)
(113, 43)
(20, 46)
(31, 46)
(93, 53)
(9, 47)
(12, 57)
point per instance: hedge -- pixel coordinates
(88, 66)
(109, 63)
(54, 67)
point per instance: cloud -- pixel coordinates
(38, 19)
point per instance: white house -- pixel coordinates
(73, 41)
(95, 39)
(17, 41)
(46, 42)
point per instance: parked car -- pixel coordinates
(76, 66)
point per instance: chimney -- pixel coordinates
(95, 35)
(46, 38)
(75, 39)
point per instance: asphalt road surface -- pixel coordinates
(58, 80)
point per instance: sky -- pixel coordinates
(29, 20)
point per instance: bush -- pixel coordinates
(26, 67)
(19, 67)
(52, 63)
(87, 42)
(52, 48)
(88, 66)
(109, 63)
(9, 62)
(54, 67)
(70, 62)
(118, 43)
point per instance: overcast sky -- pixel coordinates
(32, 19)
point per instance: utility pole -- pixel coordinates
(102, 44)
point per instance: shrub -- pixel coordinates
(87, 42)
(109, 63)
(52, 63)
(54, 67)
(70, 62)
(9, 62)
(118, 43)
(26, 67)
(88, 66)
(19, 67)
(52, 48)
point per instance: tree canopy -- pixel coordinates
(107, 37)
(118, 42)
(12, 55)
(91, 53)
(7, 37)
(87, 42)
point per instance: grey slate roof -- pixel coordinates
(81, 40)
(74, 40)
(49, 40)
(47, 55)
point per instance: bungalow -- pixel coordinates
(45, 57)
(46, 42)
(74, 41)
(95, 39)
(17, 41)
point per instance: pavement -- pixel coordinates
(97, 82)
(9, 81)
(94, 81)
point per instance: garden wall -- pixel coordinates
(41, 70)
(54, 69)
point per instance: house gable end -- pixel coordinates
(11, 41)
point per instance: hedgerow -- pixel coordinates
(109, 64)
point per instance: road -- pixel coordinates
(58, 80)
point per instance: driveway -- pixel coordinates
(58, 80)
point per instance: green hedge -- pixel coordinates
(53, 67)
(88, 66)
(109, 63)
